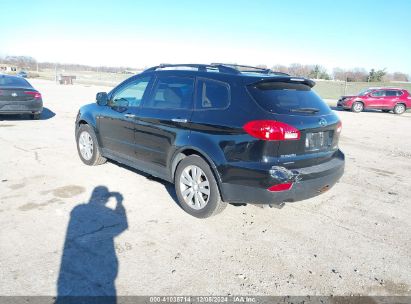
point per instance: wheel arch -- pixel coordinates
(90, 121)
(359, 101)
(183, 152)
(402, 103)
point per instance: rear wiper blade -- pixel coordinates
(305, 110)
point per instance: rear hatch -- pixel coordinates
(293, 102)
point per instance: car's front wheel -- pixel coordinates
(357, 107)
(399, 108)
(87, 146)
(196, 188)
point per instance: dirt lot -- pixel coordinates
(354, 239)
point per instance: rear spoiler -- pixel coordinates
(289, 79)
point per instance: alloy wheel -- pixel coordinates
(85, 144)
(399, 109)
(194, 187)
(358, 107)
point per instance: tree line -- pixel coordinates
(314, 71)
(29, 63)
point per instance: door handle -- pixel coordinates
(182, 120)
(129, 115)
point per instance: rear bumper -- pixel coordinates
(21, 107)
(307, 183)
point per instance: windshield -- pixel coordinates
(288, 98)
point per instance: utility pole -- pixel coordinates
(345, 85)
(55, 72)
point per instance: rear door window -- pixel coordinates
(288, 98)
(172, 92)
(212, 94)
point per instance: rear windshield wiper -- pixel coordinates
(305, 110)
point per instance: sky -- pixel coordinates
(346, 34)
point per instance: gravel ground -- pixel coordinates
(354, 239)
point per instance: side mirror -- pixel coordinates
(102, 98)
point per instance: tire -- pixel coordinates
(399, 108)
(357, 107)
(85, 137)
(35, 116)
(197, 202)
(385, 111)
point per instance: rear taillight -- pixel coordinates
(271, 130)
(280, 187)
(339, 127)
(34, 94)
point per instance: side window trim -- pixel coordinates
(200, 89)
(154, 81)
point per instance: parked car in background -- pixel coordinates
(17, 96)
(386, 99)
(219, 134)
(22, 74)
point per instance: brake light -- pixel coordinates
(339, 127)
(271, 130)
(280, 187)
(35, 94)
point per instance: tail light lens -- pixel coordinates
(339, 127)
(34, 94)
(271, 130)
(280, 187)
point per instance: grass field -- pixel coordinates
(326, 89)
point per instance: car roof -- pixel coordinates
(9, 76)
(385, 88)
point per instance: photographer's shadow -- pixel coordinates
(89, 265)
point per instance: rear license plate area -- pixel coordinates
(318, 141)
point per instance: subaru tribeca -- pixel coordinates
(221, 133)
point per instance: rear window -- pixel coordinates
(393, 93)
(13, 82)
(288, 98)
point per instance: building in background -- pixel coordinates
(8, 68)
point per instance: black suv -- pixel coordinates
(221, 133)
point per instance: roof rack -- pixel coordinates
(221, 67)
(250, 69)
(200, 67)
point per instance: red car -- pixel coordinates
(385, 99)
